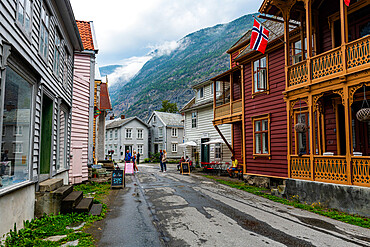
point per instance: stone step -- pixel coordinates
(84, 205)
(71, 201)
(96, 209)
(63, 191)
(51, 184)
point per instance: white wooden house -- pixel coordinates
(37, 43)
(198, 116)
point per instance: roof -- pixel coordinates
(104, 97)
(202, 83)
(192, 105)
(86, 35)
(170, 119)
(121, 122)
(276, 33)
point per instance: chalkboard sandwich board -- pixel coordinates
(185, 168)
(118, 180)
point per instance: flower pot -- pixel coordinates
(363, 115)
(300, 127)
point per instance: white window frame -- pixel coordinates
(260, 75)
(174, 132)
(44, 32)
(128, 133)
(160, 132)
(201, 92)
(21, 20)
(174, 147)
(57, 53)
(140, 134)
(194, 120)
(140, 149)
(218, 151)
(15, 151)
(110, 134)
(115, 134)
(17, 129)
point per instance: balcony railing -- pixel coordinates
(331, 63)
(229, 109)
(332, 169)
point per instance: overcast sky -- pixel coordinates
(126, 28)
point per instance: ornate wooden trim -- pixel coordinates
(341, 94)
(315, 98)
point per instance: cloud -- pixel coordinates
(126, 29)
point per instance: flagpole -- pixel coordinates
(275, 33)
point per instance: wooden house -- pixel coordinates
(254, 104)
(37, 43)
(199, 129)
(82, 108)
(327, 66)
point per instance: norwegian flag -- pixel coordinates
(346, 2)
(259, 38)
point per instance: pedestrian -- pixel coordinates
(233, 167)
(128, 156)
(179, 165)
(138, 158)
(160, 159)
(134, 161)
(164, 160)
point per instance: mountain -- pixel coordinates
(199, 56)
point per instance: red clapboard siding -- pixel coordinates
(237, 144)
(233, 56)
(272, 103)
(330, 125)
(236, 87)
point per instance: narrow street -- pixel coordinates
(170, 209)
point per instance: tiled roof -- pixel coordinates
(104, 97)
(86, 35)
(120, 122)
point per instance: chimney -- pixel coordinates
(111, 117)
(122, 116)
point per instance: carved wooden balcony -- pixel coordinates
(330, 64)
(229, 112)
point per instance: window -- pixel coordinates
(174, 132)
(218, 151)
(17, 148)
(115, 149)
(17, 105)
(128, 133)
(160, 132)
(139, 134)
(110, 134)
(116, 134)
(106, 137)
(18, 130)
(201, 92)
(24, 14)
(44, 32)
(217, 87)
(57, 54)
(194, 119)
(140, 149)
(261, 132)
(154, 119)
(303, 139)
(298, 53)
(65, 71)
(62, 140)
(174, 147)
(259, 75)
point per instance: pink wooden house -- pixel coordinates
(83, 105)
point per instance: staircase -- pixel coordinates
(54, 197)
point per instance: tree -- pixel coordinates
(169, 107)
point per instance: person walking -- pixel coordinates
(164, 160)
(134, 161)
(138, 158)
(160, 159)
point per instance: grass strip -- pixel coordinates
(315, 207)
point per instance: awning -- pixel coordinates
(189, 143)
(215, 141)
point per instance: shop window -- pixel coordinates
(260, 75)
(44, 32)
(261, 133)
(24, 15)
(15, 148)
(62, 164)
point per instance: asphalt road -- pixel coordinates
(169, 209)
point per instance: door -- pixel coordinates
(46, 134)
(204, 151)
(129, 148)
(155, 148)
